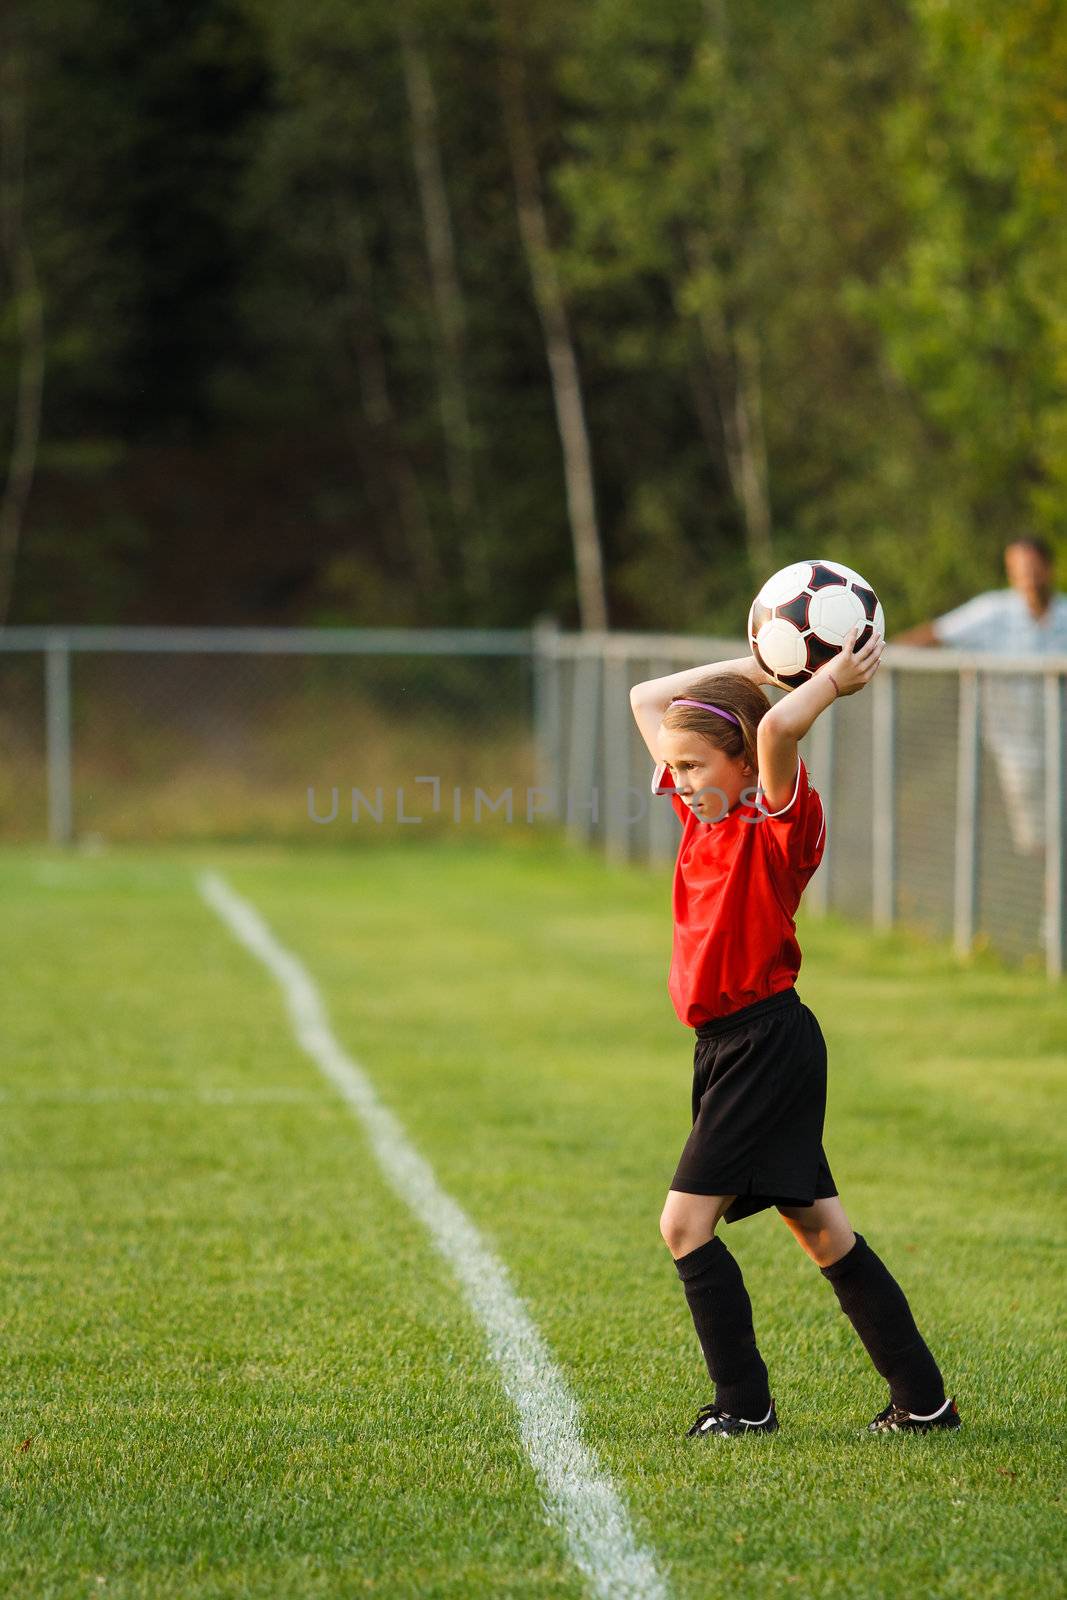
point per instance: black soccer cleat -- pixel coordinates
(710, 1419)
(896, 1419)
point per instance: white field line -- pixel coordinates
(579, 1494)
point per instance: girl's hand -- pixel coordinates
(852, 672)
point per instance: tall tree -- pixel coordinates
(559, 344)
(26, 302)
(666, 175)
(447, 297)
(726, 189)
(973, 313)
(383, 433)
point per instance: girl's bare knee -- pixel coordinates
(680, 1239)
(822, 1230)
(677, 1232)
(690, 1220)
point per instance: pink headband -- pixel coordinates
(717, 709)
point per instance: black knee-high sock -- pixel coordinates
(877, 1307)
(722, 1315)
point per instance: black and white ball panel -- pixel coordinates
(802, 615)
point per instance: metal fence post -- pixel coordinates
(548, 720)
(582, 800)
(883, 808)
(1055, 826)
(57, 718)
(966, 868)
(616, 715)
(822, 762)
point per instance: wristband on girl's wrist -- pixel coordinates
(833, 680)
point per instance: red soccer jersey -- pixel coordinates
(737, 885)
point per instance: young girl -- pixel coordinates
(753, 833)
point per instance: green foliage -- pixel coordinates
(973, 311)
(849, 217)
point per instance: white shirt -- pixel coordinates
(1001, 623)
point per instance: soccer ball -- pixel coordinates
(801, 616)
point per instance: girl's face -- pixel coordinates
(708, 780)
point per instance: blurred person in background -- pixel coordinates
(1027, 619)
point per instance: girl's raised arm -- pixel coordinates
(786, 723)
(649, 700)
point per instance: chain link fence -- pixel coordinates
(188, 734)
(944, 785)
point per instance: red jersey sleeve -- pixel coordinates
(798, 831)
(663, 783)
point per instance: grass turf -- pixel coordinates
(240, 1367)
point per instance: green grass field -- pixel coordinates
(234, 1365)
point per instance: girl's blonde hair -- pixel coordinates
(732, 693)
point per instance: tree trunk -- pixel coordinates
(730, 341)
(380, 413)
(559, 346)
(449, 311)
(732, 360)
(29, 315)
(750, 448)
